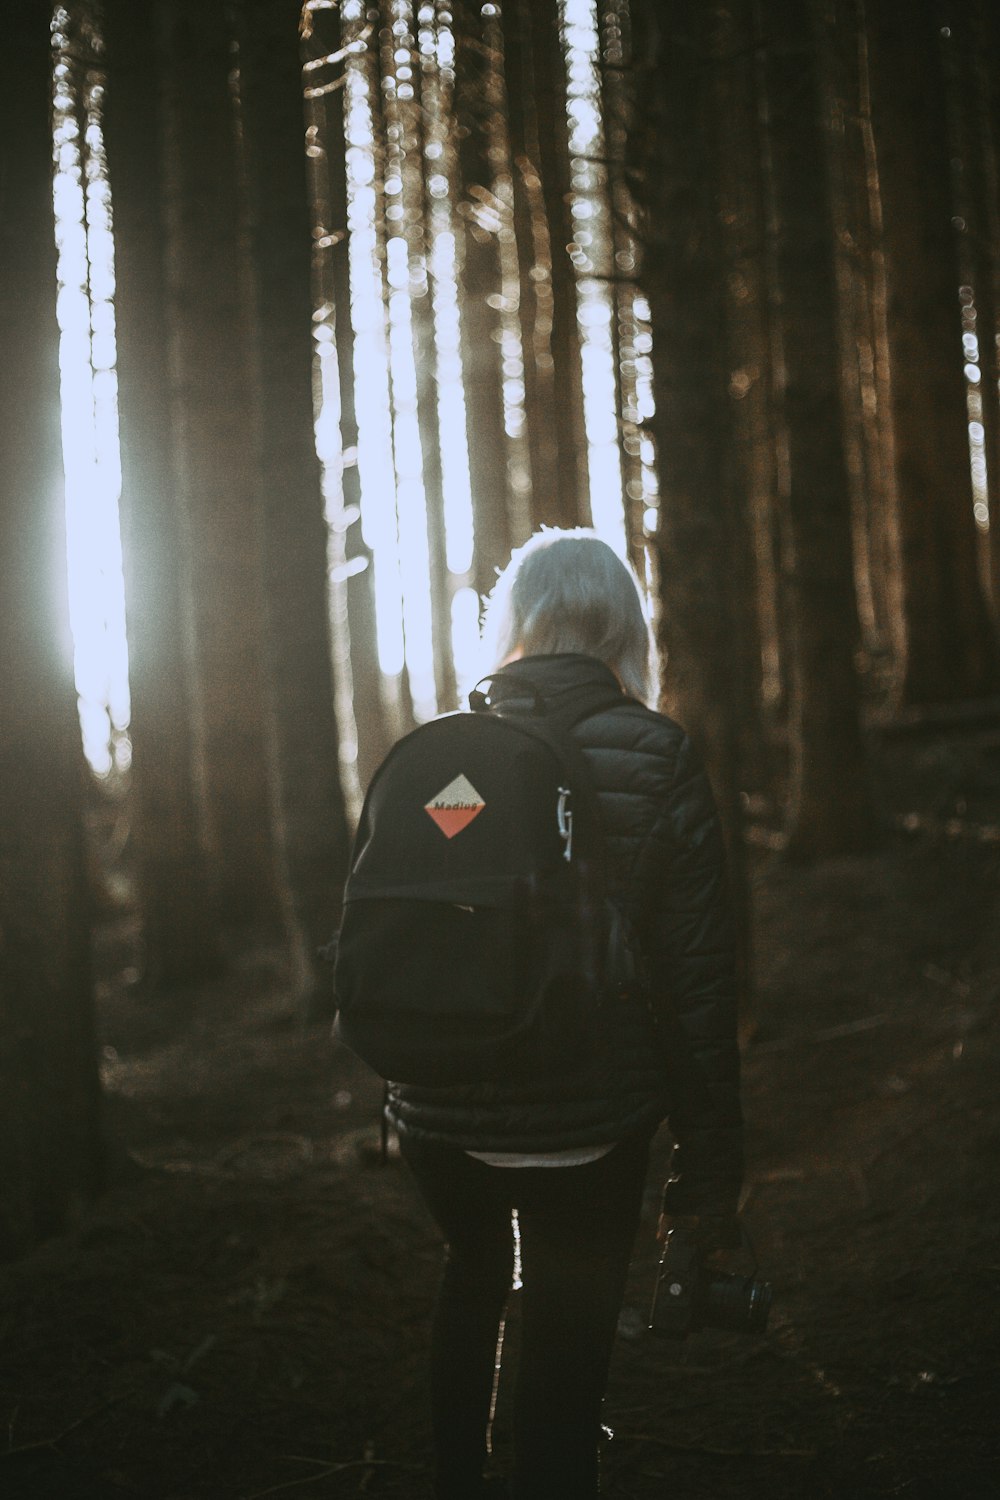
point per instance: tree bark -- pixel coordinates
(50, 1150)
(481, 293)
(981, 95)
(533, 244)
(830, 810)
(356, 643)
(741, 215)
(214, 409)
(420, 119)
(674, 167)
(842, 105)
(618, 104)
(882, 500)
(540, 137)
(950, 652)
(178, 915)
(313, 822)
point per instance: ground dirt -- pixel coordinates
(244, 1312)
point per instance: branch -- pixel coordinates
(53, 1442)
(717, 1452)
(328, 1469)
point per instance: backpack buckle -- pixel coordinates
(492, 692)
(564, 818)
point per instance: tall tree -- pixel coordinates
(515, 148)
(478, 78)
(618, 232)
(674, 166)
(882, 500)
(213, 410)
(50, 1154)
(178, 914)
(418, 111)
(539, 131)
(978, 99)
(844, 106)
(356, 641)
(829, 802)
(748, 409)
(313, 821)
(949, 647)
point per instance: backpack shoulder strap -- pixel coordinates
(551, 718)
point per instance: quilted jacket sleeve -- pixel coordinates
(689, 941)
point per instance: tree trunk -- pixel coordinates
(540, 136)
(618, 103)
(674, 166)
(178, 915)
(950, 651)
(741, 211)
(839, 77)
(413, 354)
(294, 533)
(213, 410)
(50, 1152)
(829, 805)
(974, 252)
(772, 447)
(982, 92)
(357, 672)
(421, 120)
(883, 499)
(481, 292)
(534, 253)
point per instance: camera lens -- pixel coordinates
(739, 1303)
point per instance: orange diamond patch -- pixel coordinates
(455, 807)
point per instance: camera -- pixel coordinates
(687, 1296)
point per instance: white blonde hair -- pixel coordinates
(569, 591)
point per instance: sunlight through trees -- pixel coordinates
(85, 306)
(404, 281)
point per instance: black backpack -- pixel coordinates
(475, 933)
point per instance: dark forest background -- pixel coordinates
(804, 193)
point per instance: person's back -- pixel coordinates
(664, 859)
(569, 1151)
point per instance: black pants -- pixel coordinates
(577, 1227)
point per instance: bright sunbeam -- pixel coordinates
(392, 184)
(974, 407)
(410, 494)
(404, 251)
(371, 361)
(89, 400)
(385, 278)
(592, 238)
(404, 245)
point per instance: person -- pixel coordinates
(570, 1155)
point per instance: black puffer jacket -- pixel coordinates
(665, 850)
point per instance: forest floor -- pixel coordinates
(245, 1311)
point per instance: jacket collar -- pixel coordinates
(548, 677)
